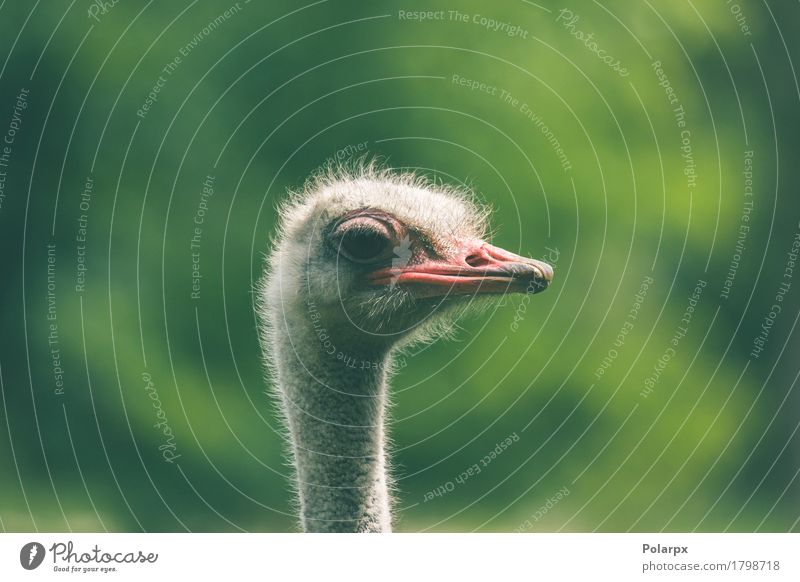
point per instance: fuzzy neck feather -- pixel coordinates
(334, 406)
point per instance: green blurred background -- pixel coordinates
(263, 96)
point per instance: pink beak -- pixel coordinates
(478, 268)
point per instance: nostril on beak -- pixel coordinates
(478, 260)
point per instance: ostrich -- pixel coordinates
(366, 261)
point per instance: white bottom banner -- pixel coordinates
(354, 557)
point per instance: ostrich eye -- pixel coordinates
(364, 245)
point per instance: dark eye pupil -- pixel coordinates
(364, 245)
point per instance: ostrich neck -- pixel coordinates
(334, 402)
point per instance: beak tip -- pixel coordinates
(543, 274)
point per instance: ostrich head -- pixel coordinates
(365, 261)
(380, 258)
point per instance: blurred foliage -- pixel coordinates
(267, 96)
